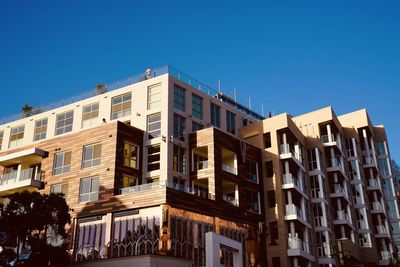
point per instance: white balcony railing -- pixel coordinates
(19, 176)
(376, 205)
(342, 215)
(230, 169)
(200, 165)
(381, 229)
(297, 243)
(231, 200)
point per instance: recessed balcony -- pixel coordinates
(381, 231)
(15, 181)
(377, 207)
(290, 181)
(287, 153)
(298, 247)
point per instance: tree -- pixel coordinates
(35, 220)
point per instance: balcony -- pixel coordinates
(381, 231)
(377, 207)
(330, 140)
(373, 184)
(200, 165)
(384, 257)
(231, 200)
(289, 181)
(295, 213)
(342, 218)
(298, 247)
(287, 153)
(335, 164)
(229, 169)
(369, 161)
(20, 180)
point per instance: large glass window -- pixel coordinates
(179, 127)
(254, 199)
(154, 125)
(380, 148)
(197, 106)
(64, 122)
(91, 156)
(230, 122)
(62, 163)
(179, 159)
(215, 115)
(59, 188)
(153, 157)
(154, 96)
(179, 98)
(89, 190)
(252, 168)
(40, 129)
(17, 136)
(131, 155)
(121, 106)
(383, 166)
(90, 114)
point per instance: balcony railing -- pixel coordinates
(200, 165)
(381, 229)
(231, 200)
(285, 149)
(19, 176)
(292, 209)
(230, 169)
(325, 138)
(336, 162)
(342, 215)
(369, 160)
(288, 178)
(373, 182)
(385, 255)
(297, 243)
(376, 205)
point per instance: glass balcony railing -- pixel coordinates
(285, 149)
(328, 138)
(230, 169)
(381, 229)
(377, 206)
(200, 165)
(297, 243)
(292, 209)
(342, 215)
(385, 255)
(231, 200)
(19, 176)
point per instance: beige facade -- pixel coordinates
(329, 189)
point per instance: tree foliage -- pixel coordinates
(33, 218)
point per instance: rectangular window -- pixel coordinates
(273, 231)
(89, 189)
(196, 126)
(59, 188)
(215, 115)
(179, 127)
(131, 155)
(17, 136)
(269, 168)
(1, 138)
(154, 125)
(230, 122)
(40, 130)
(271, 199)
(121, 106)
(179, 98)
(154, 96)
(90, 114)
(383, 167)
(91, 156)
(380, 148)
(254, 199)
(62, 163)
(179, 159)
(64, 122)
(153, 158)
(197, 106)
(252, 168)
(267, 140)
(129, 181)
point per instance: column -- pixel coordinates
(329, 131)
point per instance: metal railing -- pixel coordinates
(129, 81)
(200, 165)
(230, 169)
(18, 176)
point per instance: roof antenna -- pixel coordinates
(219, 86)
(249, 103)
(234, 94)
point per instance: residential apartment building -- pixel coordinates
(329, 190)
(150, 164)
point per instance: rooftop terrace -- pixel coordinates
(132, 80)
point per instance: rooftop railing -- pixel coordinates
(132, 80)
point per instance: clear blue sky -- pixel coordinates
(291, 56)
